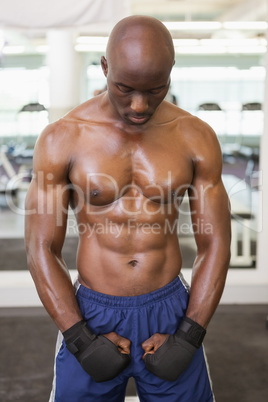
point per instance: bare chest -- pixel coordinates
(105, 172)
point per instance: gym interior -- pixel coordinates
(49, 63)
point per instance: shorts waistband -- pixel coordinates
(178, 285)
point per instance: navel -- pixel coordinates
(133, 263)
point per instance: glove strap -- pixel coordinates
(192, 332)
(78, 337)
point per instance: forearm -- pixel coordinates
(208, 281)
(211, 207)
(54, 287)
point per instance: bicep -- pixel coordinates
(210, 214)
(209, 203)
(47, 200)
(46, 213)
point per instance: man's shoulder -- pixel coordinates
(85, 112)
(187, 123)
(199, 138)
(69, 125)
(54, 133)
(194, 126)
(181, 116)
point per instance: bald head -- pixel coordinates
(138, 63)
(140, 39)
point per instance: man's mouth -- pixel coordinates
(139, 119)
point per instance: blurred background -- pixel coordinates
(49, 63)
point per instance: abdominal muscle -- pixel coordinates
(128, 258)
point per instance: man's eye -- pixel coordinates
(124, 89)
(156, 91)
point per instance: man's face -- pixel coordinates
(135, 89)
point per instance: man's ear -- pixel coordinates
(104, 65)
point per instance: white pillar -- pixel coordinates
(64, 81)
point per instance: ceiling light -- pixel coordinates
(245, 25)
(234, 42)
(192, 25)
(246, 50)
(90, 48)
(215, 25)
(89, 40)
(186, 42)
(91, 44)
(13, 49)
(221, 46)
(42, 49)
(200, 50)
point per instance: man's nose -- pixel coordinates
(139, 103)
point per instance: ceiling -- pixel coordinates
(206, 10)
(184, 11)
(190, 9)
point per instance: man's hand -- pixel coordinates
(102, 357)
(151, 345)
(123, 344)
(167, 356)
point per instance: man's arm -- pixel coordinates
(210, 214)
(167, 356)
(46, 210)
(45, 226)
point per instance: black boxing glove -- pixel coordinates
(176, 353)
(98, 356)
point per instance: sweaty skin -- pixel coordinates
(123, 162)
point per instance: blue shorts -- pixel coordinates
(136, 318)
